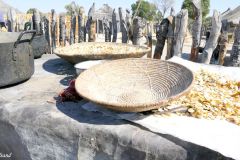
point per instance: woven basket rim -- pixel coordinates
(144, 50)
(137, 107)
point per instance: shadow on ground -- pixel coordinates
(76, 112)
(59, 66)
(227, 59)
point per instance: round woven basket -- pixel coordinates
(134, 84)
(100, 50)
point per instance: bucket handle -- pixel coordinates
(14, 54)
(33, 32)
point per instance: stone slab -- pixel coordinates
(35, 125)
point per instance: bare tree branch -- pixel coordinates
(164, 5)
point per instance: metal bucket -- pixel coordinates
(16, 57)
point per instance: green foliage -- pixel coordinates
(187, 4)
(207, 22)
(31, 10)
(73, 8)
(146, 10)
(158, 17)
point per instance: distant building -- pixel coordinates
(233, 18)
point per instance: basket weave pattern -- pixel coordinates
(134, 85)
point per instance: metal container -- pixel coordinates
(40, 46)
(16, 57)
(82, 66)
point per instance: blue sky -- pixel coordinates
(58, 5)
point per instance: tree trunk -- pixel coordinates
(181, 21)
(196, 30)
(235, 53)
(211, 44)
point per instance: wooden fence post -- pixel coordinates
(123, 27)
(36, 21)
(58, 32)
(138, 25)
(114, 24)
(107, 29)
(80, 29)
(223, 42)
(62, 27)
(170, 36)
(53, 30)
(73, 28)
(92, 31)
(181, 21)
(212, 41)
(161, 35)
(235, 53)
(196, 30)
(149, 38)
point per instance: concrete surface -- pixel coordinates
(35, 125)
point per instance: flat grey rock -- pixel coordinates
(35, 125)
